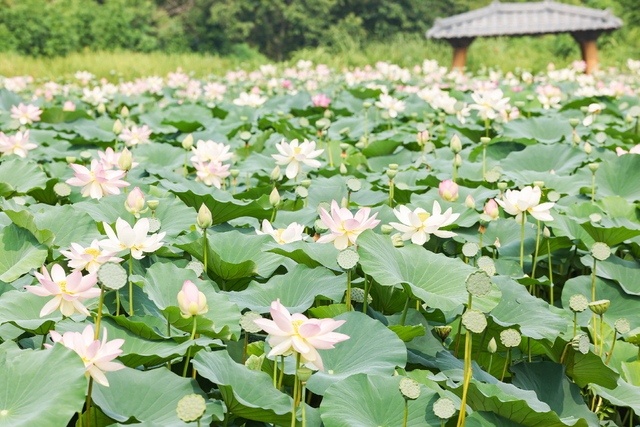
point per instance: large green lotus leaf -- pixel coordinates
(623, 394)
(423, 348)
(627, 273)
(622, 304)
(489, 419)
(507, 232)
(544, 158)
(296, 289)
(541, 129)
(233, 255)
(22, 308)
(223, 206)
(619, 177)
(40, 388)
(518, 307)
(610, 235)
(249, 394)
(434, 278)
(8, 99)
(162, 283)
(20, 253)
(22, 175)
(616, 207)
(150, 396)
(562, 225)
(372, 349)
(164, 155)
(308, 253)
(565, 184)
(373, 400)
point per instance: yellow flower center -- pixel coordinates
(296, 324)
(297, 150)
(63, 286)
(424, 216)
(95, 253)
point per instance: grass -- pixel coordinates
(532, 53)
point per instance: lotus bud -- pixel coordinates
(274, 197)
(422, 137)
(306, 183)
(393, 166)
(470, 202)
(491, 209)
(386, 229)
(391, 173)
(485, 140)
(442, 331)
(538, 184)
(276, 175)
(546, 233)
(587, 147)
(574, 122)
(117, 127)
(125, 160)
(497, 243)
(397, 241)
(457, 160)
(492, 347)
(153, 204)
(502, 186)
(234, 173)
(448, 190)
(187, 142)
(593, 167)
(135, 201)
(366, 104)
(343, 169)
(344, 203)
(576, 138)
(101, 108)
(455, 145)
(191, 301)
(204, 218)
(600, 307)
(124, 112)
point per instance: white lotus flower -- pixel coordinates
(527, 200)
(293, 154)
(388, 102)
(292, 233)
(488, 103)
(418, 224)
(134, 239)
(209, 151)
(250, 99)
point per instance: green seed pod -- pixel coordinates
(348, 259)
(191, 408)
(578, 303)
(153, 204)
(510, 338)
(354, 185)
(409, 388)
(474, 321)
(470, 249)
(154, 224)
(600, 307)
(581, 343)
(247, 322)
(479, 283)
(62, 189)
(304, 374)
(196, 266)
(622, 326)
(600, 251)
(444, 408)
(442, 331)
(112, 275)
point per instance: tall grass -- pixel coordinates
(533, 53)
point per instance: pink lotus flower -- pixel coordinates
(300, 334)
(633, 150)
(292, 155)
(191, 301)
(491, 209)
(68, 291)
(97, 182)
(96, 355)
(109, 159)
(17, 144)
(134, 239)
(344, 226)
(69, 106)
(136, 135)
(135, 202)
(90, 258)
(211, 173)
(321, 100)
(292, 233)
(26, 114)
(448, 190)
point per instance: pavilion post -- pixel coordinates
(460, 48)
(588, 48)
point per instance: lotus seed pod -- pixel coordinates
(470, 249)
(357, 295)
(320, 227)
(593, 167)
(124, 112)
(587, 147)
(247, 322)
(276, 175)
(487, 264)
(397, 241)
(600, 307)
(581, 343)
(254, 363)
(492, 347)
(153, 204)
(70, 159)
(117, 127)
(479, 283)
(502, 186)
(125, 161)
(622, 326)
(191, 408)
(196, 266)
(62, 189)
(457, 160)
(301, 192)
(360, 145)
(85, 155)
(485, 140)
(343, 169)
(306, 183)
(393, 166)
(574, 122)
(204, 218)
(443, 331)
(470, 202)
(304, 122)
(154, 224)
(304, 374)
(546, 233)
(274, 197)
(234, 173)
(600, 251)
(578, 303)
(455, 145)
(409, 388)
(348, 259)
(187, 142)
(366, 104)
(474, 321)
(112, 275)
(245, 136)
(520, 104)
(492, 176)
(386, 229)
(553, 196)
(595, 217)
(354, 185)
(344, 146)
(510, 338)
(538, 184)
(444, 408)
(391, 173)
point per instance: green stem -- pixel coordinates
(593, 187)
(275, 371)
(281, 372)
(248, 184)
(184, 169)
(524, 220)
(466, 380)
(575, 323)
(529, 348)
(455, 172)
(348, 295)
(193, 335)
(244, 348)
(406, 413)
(550, 271)
(295, 392)
(302, 404)
(205, 248)
(330, 153)
(486, 127)
(130, 283)
(507, 362)
(613, 344)
(88, 411)
(117, 302)
(273, 214)
(593, 298)
(535, 254)
(404, 311)
(367, 285)
(99, 316)
(484, 161)
(391, 193)
(601, 335)
(564, 352)
(490, 363)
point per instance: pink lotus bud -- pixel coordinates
(191, 301)
(491, 209)
(422, 137)
(69, 106)
(321, 100)
(448, 190)
(135, 201)
(470, 202)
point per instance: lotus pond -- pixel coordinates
(305, 246)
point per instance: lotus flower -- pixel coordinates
(392, 105)
(417, 225)
(136, 135)
(344, 226)
(488, 103)
(97, 355)
(134, 239)
(292, 233)
(528, 200)
(26, 114)
(68, 291)
(90, 258)
(321, 100)
(109, 159)
(97, 182)
(634, 150)
(293, 154)
(448, 190)
(250, 99)
(491, 209)
(298, 333)
(191, 301)
(209, 151)
(69, 106)
(135, 202)
(211, 173)
(17, 144)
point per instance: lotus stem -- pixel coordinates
(295, 392)
(524, 220)
(535, 254)
(593, 187)
(575, 323)
(593, 298)
(366, 127)
(564, 352)
(130, 283)
(275, 372)
(348, 295)
(404, 311)
(193, 335)
(281, 372)
(88, 410)
(99, 315)
(550, 272)
(613, 345)
(484, 161)
(406, 413)
(302, 405)
(507, 362)
(367, 286)
(486, 127)
(244, 347)
(235, 184)
(601, 334)
(184, 169)
(117, 302)
(205, 248)
(248, 181)
(466, 378)
(391, 191)
(330, 153)
(490, 363)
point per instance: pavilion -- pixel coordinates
(519, 19)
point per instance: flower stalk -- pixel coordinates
(193, 336)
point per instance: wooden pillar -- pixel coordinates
(460, 48)
(588, 48)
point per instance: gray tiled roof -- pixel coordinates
(543, 17)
